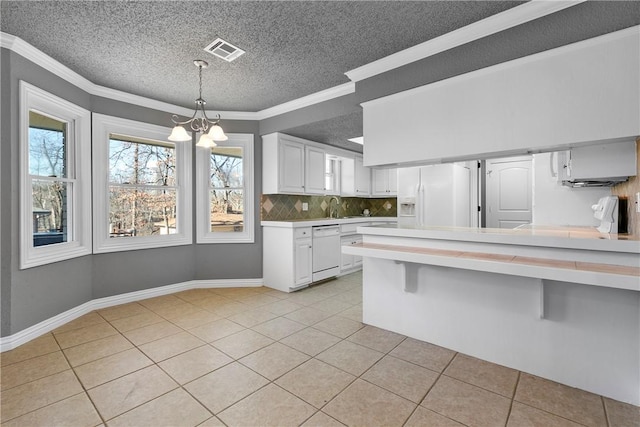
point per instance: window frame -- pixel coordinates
(103, 127)
(204, 234)
(78, 144)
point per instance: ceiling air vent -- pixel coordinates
(224, 50)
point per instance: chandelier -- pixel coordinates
(199, 122)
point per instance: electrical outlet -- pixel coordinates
(305, 206)
(638, 202)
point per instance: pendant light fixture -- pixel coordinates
(199, 122)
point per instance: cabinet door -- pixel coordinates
(303, 259)
(385, 182)
(315, 171)
(362, 178)
(357, 259)
(392, 181)
(291, 167)
(346, 260)
(379, 180)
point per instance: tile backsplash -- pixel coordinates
(285, 207)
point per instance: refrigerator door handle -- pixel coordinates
(420, 205)
(417, 205)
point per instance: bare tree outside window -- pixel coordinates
(142, 188)
(226, 189)
(49, 180)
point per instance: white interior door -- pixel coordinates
(509, 192)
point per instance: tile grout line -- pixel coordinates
(513, 396)
(316, 410)
(85, 391)
(440, 374)
(606, 413)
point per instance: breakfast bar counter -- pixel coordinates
(562, 303)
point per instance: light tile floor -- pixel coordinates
(259, 357)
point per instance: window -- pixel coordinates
(55, 174)
(225, 191)
(141, 186)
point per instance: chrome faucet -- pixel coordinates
(334, 213)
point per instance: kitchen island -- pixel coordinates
(562, 303)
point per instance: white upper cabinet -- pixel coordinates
(283, 160)
(315, 164)
(385, 182)
(293, 165)
(362, 178)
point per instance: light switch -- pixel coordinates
(638, 202)
(305, 206)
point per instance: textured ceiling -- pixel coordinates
(294, 48)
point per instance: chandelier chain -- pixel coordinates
(198, 124)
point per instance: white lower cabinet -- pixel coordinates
(350, 262)
(350, 237)
(287, 251)
(287, 257)
(303, 254)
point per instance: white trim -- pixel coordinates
(203, 228)
(103, 126)
(79, 210)
(491, 25)
(305, 101)
(562, 50)
(36, 56)
(12, 341)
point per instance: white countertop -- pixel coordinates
(586, 238)
(328, 221)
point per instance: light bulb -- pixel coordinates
(179, 134)
(205, 141)
(217, 134)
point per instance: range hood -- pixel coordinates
(591, 183)
(601, 165)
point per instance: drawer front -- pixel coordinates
(351, 228)
(302, 232)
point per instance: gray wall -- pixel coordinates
(36, 294)
(580, 22)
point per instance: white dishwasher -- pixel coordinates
(326, 251)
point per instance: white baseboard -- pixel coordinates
(12, 341)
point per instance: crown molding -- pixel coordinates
(305, 101)
(493, 24)
(36, 56)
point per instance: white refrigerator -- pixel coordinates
(435, 195)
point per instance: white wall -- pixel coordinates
(555, 204)
(587, 91)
